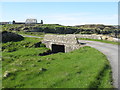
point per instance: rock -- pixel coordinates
(33, 65)
(7, 74)
(43, 69)
(39, 60)
(116, 39)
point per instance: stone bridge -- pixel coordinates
(61, 43)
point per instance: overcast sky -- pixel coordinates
(64, 13)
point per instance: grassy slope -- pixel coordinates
(104, 41)
(82, 68)
(39, 34)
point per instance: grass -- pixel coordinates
(39, 34)
(104, 41)
(82, 68)
(27, 43)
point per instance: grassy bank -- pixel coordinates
(82, 68)
(39, 34)
(104, 41)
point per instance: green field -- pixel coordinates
(82, 68)
(39, 34)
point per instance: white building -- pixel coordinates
(31, 21)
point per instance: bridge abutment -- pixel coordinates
(61, 43)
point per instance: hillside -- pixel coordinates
(59, 29)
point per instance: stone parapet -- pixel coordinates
(70, 42)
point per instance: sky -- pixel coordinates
(64, 13)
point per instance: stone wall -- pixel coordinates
(64, 39)
(93, 36)
(89, 36)
(70, 42)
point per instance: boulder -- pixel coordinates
(6, 74)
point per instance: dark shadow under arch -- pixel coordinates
(58, 48)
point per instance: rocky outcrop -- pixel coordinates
(6, 36)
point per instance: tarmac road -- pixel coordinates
(31, 36)
(111, 51)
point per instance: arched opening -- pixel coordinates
(58, 48)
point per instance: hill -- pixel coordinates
(59, 29)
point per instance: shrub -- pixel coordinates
(42, 45)
(10, 36)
